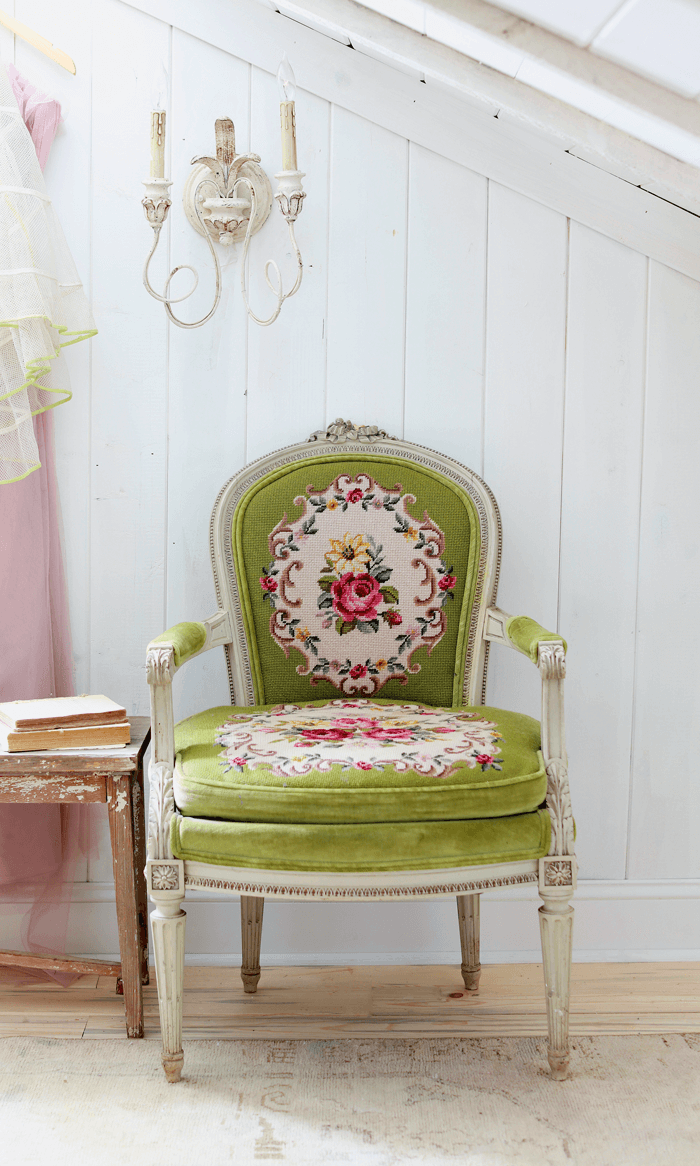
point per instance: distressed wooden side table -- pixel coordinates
(114, 776)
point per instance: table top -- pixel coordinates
(47, 761)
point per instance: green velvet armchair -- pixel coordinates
(356, 580)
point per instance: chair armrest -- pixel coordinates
(548, 651)
(519, 632)
(192, 638)
(164, 655)
(186, 639)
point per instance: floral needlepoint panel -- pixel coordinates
(292, 740)
(360, 581)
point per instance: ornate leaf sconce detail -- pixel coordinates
(227, 199)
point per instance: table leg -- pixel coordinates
(139, 816)
(121, 828)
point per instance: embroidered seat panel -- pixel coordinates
(374, 846)
(357, 577)
(357, 761)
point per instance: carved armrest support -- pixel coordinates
(164, 656)
(161, 807)
(550, 656)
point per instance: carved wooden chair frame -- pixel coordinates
(169, 877)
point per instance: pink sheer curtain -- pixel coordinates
(39, 844)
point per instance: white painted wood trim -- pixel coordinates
(364, 886)
(587, 890)
(520, 52)
(517, 157)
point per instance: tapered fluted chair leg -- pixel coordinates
(168, 923)
(251, 937)
(556, 930)
(469, 923)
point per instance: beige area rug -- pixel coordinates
(631, 1101)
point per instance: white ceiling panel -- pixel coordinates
(659, 39)
(577, 20)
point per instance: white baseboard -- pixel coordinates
(616, 921)
(330, 959)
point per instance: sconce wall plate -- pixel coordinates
(208, 211)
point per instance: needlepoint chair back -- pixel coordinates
(361, 572)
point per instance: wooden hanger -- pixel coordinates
(39, 42)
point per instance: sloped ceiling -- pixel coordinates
(610, 75)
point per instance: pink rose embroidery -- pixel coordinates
(354, 495)
(267, 583)
(358, 672)
(484, 758)
(356, 597)
(362, 765)
(238, 760)
(380, 734)
(393, 618)
(447, 582)
(325, 734)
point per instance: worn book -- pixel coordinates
(85, 737)
(60, 712)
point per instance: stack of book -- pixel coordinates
(63, 722)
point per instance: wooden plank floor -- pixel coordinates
(331, 1002)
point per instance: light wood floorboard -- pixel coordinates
(327, 1003)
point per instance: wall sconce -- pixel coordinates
(227, 199)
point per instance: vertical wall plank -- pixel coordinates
(129, 429)
(129, 366)
(287, 360)
(525, 345)
(600, 530)
(665, 803)
(207, 366)
(366, 273)
(445, 306)
(70, 25)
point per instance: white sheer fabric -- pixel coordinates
(43, 306)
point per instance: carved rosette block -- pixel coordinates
(161, 807)
(166, 880)
(558, 873)
(342, 431)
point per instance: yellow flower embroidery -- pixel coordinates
(381, 664)
(410, 534)
(303, 635)
(331, 504)
(349, 554)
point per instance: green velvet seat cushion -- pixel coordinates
(370, 847)
(345, 762)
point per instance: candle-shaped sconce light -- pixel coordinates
(288, 89)
(158, 143)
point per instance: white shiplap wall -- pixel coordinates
(457, 306)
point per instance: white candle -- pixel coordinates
(287, 86)
(158, 143)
